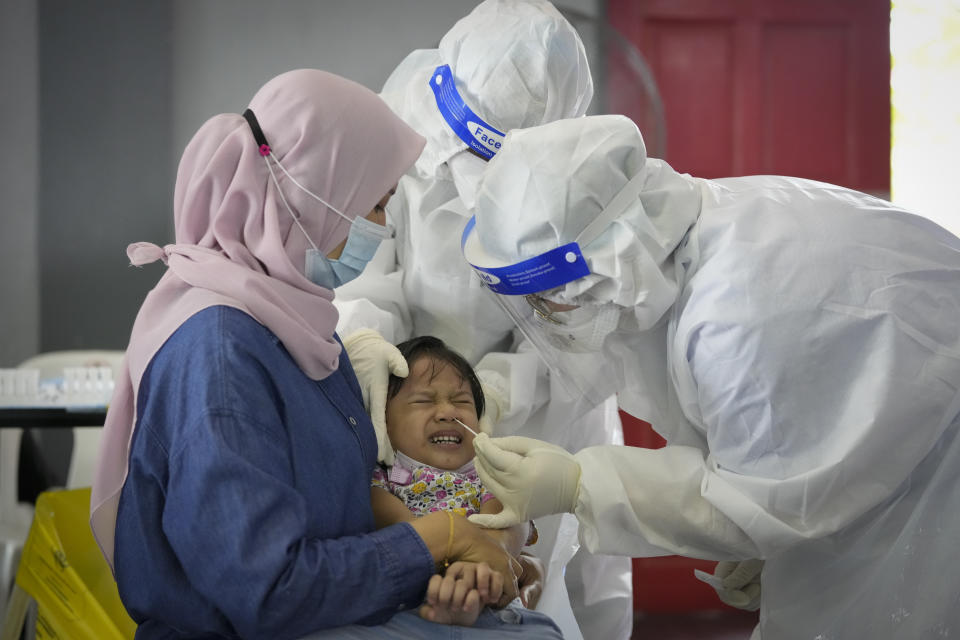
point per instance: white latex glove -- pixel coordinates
(373, 360)
(737, 583)
(496, 402)
(530, 477)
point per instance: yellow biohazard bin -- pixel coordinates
(63, 570)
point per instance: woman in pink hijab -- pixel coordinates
(232, 496)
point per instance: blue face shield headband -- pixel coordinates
(363, 238)
(553, 268)
(469, 127)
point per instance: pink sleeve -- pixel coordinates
(380, 478)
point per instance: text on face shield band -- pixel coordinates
(539, 273)
(468, 126)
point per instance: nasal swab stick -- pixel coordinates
(466, 427)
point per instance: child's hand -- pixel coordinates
(479, 576)
(458, 595)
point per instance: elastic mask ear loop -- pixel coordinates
(267, 152)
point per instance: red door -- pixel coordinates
(770, 86)
(760, 87)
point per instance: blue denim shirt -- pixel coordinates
(246, 511)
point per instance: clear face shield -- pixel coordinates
(575, 341)
(575, 353)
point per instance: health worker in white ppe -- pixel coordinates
(796, 343)
(506, 65)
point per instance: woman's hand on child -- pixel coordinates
(473, 545)
(451, 538)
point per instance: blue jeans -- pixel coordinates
(511, 622)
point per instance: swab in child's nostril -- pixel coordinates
(466, 427)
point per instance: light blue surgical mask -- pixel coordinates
(363, 238)
(362, 243)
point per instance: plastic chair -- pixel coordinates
(63, 572)
(15, 516)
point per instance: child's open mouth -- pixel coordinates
(446, 439)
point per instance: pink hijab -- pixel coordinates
(237, 245)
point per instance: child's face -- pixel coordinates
(420, 418)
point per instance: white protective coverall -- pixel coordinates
(517, 64)
(800, 352)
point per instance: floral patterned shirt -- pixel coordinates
(425, 489)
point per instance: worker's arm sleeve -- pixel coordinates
(647, 502)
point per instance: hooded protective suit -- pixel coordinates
(516, 64)
(797, 345)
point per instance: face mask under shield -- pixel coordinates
(572, 341)
(586, 374)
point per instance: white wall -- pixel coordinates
(227, 49)
(925, 95)
(19, 265)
